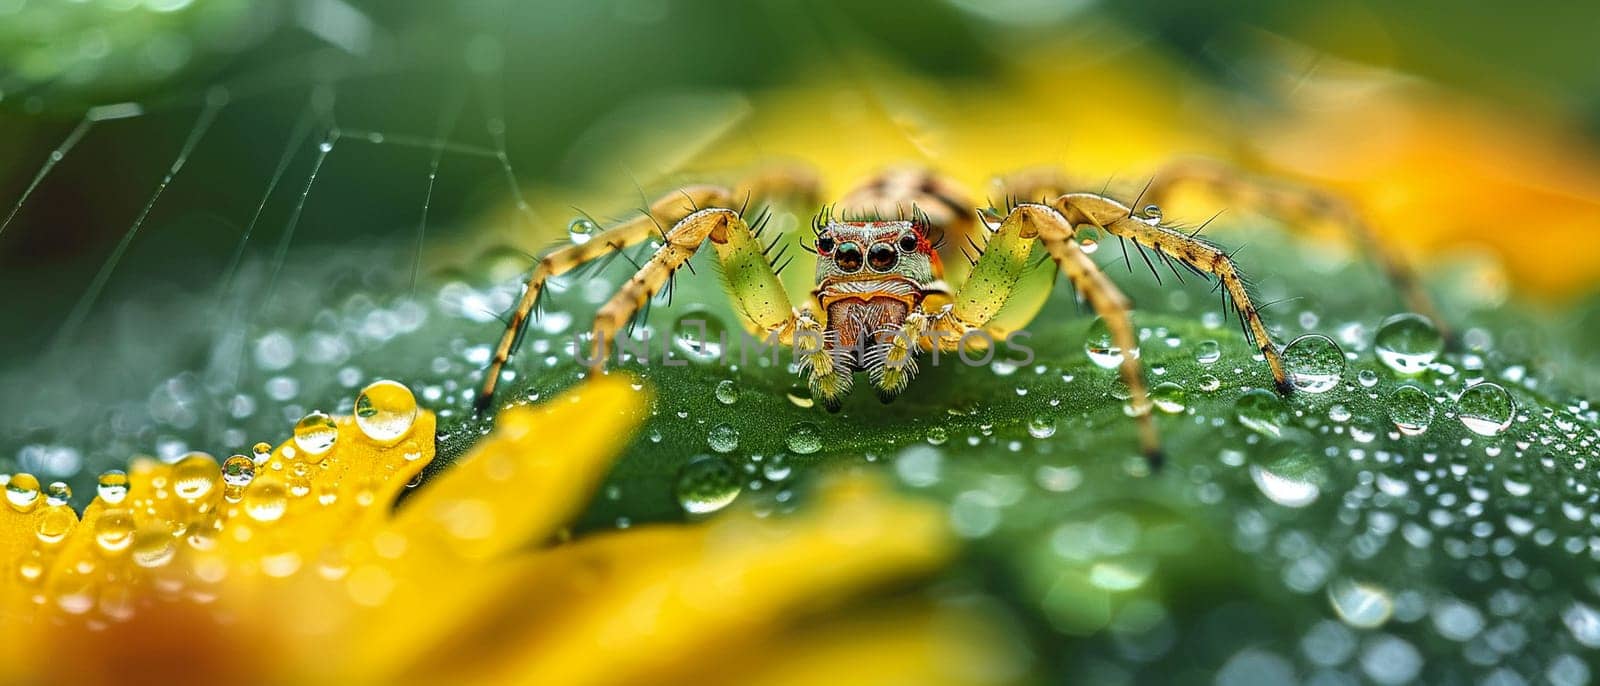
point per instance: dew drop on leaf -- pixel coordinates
(1261, 411)
(1207, 352)
(1411, 410)
(1486, 409)
(803, 438)
(22, 491)
(723, 438)
(1407, 343)
(1316, 364)
(707, 484)
(1102, 351)
(727, 392)
(1042, 427)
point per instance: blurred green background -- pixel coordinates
(174, 350)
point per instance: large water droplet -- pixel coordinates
(114, 530)
(112, 486)
(1042, 427)
(1316, 364)
(1293, 481)
(1152, 213)
(238, 471)
(727, 392)
(1411, 410)
(1486, 409)
(1407, 343)
(194, 475)
(581, 229)
(1361, 605)
(57, 493)
(707, 484)
(22, 491)
(315, 433)
(1101, 349)
(701, 336)
(1088, 239)
(1261, 411)
(723, 438)
(1207, 352)
(803, 438)
(266, 500)
(1169, 397)
(385, 411)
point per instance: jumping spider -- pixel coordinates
(893, 264)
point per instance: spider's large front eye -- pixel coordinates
(882, 257)
(848, 257)
(824, 245)
(908, 242)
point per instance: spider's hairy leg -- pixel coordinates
(791, 181)
(1003, 263)
(663, 212)
(1202, 255)
(1296, 203)
(757, 295)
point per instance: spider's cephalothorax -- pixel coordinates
(870, 276)
(912, 263)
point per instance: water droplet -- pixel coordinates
(1210, 383)
(1486, 409)
(1361, 605)
(707, 484)
(315, 433)
(1293, 481)
(1407, 343)
(1042, 427)
(22, 491)
(385, 411)
(238, 471)
(581, 229)
(1411, 410)
(1100, 347)
(803, 438)
(1207, 352)
(1152, 213)
(776, 469)
(261, 452)
(1367, 378)
(55, 523)
(1169, 397)
(152, 548)
(194, 475)
(723, 438)
(727, 392)
(1261, 411)
(58, 493)
(1316, 364)
(700, 336)
(936, 435)
(112, 486)
(113, 531)
(1088, 239)
(266, 500)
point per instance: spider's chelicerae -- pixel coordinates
(907, 262)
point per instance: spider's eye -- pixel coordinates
(882, 257)
(824, 245)
(908, 243)
(848, 257)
